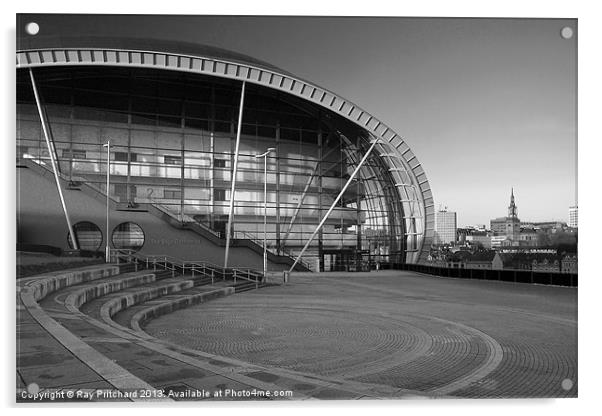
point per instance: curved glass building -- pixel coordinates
(171, 113)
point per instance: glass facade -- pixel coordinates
(173, 140)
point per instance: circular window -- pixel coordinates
(128, 235)
(88, 235)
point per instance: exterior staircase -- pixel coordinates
(184, 223)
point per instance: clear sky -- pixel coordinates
(485, 104)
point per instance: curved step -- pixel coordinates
(42, 287)
(181, 301)
(121, 295)
(124, 301)
(33, 290)
(85, 295)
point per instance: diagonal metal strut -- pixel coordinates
(307, 185)
(357, 169)
(234, 170)
(53, 161)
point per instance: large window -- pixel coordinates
(173, 138)
(128, 235)
(88, 235)
(219, 194)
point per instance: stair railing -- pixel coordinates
(181, 267)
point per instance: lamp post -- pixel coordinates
(107, 248)
(265, 206)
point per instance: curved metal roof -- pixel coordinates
(39, 42)
(410, 178)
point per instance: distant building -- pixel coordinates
(445, 227)
(528, 237)
(498, 225)
(508, 226)
(547, 226)
(545, 265)
(537, 262)
(479, 238)
(573, 211)
(480, 260)
(499, 241)
(568, 264)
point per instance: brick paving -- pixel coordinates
(66, 347)
(329, 336)
(396, 329)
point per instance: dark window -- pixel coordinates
(219, 225)
(249, 129)
(146, 119)
(196, 123)
(172, 160)
(172, 194)
(121, 192)
(88, 235)
(167, 121)
(121, 157)
(289, 134)
(264, 131)
(197, 110)
(169, 107)
(116, 117)
(221, 127)
(128, 235)
(86, 113)
(309, 137)
(53, 95)
(144, 105)
(219, 163)
(219, 194)
(74, 154)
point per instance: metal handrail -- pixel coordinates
(176, 265)
(180, 219)
(257, 240)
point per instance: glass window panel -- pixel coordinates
(88, 236)
(128, 235)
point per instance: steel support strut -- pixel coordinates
(357, 169)
(314, 174)
(234, 171)
(53, 161)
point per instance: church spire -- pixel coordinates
(512, 211)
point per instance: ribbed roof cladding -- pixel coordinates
(141, 44)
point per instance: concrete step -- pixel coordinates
(121, 299)
(123, 317)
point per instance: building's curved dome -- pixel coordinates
(408, 178)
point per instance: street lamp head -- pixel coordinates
(267, 152)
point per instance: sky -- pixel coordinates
(485, 104)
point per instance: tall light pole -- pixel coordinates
(107, 248)
(265, 206)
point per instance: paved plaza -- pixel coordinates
(387, 334)
(433, 335)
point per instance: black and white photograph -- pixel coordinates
(220, 208)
